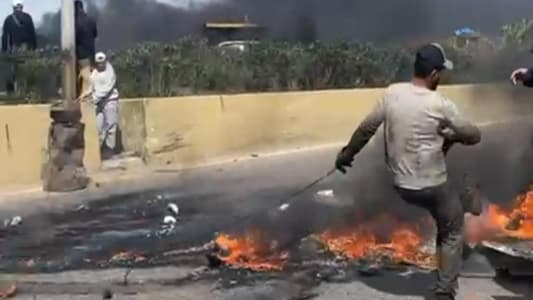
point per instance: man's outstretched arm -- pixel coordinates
(364, 132)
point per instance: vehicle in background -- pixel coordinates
(239, 46)
(234, 35)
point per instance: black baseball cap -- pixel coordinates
(434, 57)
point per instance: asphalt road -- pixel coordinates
(64, 251)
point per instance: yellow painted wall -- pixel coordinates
(21, 152)
(23, 137)
(133, 126)
(92, 144)
(193, 130)
(188, 131)
(197, 130)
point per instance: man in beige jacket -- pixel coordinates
(420, 125)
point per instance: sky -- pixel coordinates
(39, 7)
(35, 7)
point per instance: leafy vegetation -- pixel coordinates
(518, 34)
(191, 66)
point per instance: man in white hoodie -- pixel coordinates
(104, 95)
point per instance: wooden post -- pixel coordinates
(68, 47)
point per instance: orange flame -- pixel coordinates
(521, 214)
(251, 251)
(403, 245)
(497, 222)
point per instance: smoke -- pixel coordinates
(500, 165)
(123, 23)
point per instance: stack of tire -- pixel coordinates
(64, 170)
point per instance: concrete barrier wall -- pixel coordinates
(133, 126)
(190, 131)
(23, 140)
(197, 130)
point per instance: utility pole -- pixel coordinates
(68, 47)
(64, 170)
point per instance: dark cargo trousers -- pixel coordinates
(445, 207)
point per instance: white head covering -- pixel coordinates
(17, 3)
(100, 57)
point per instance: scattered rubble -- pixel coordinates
(205, 247)
(326, 193)
(82, 207)
(370, 269)
(13, 222)
(173, 208)
(169, 223)
(30, 263)
(169, 220)
(328, 198)
(284, 206)
(127, 257)
(331, 274)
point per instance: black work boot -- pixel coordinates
(471, 197)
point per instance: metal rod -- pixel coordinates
(309, 186)
(290, 197)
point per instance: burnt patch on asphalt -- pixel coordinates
(119, 231)
(127, 231)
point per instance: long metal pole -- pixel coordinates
(68, 47)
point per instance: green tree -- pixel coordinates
(518, 34)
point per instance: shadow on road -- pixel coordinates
(414, 285)
(518, 286)
(418, 285)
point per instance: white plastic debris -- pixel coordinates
(328, 197)
(173, 208)
(82, 207)
(160, 197)
(326, 193)
(169, 220)
(284, 206)
(15, 221)
(168, 226)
